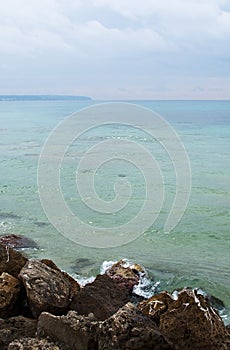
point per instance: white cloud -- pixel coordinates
(127, 38)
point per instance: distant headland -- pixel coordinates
(44, 98)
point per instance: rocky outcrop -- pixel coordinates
(46, 288)
(103, 298)
(15, 328)
(18, 242)
(99, 316)
(11, 261)
(125, 276)
(188, 321)
(129, 329)
(9, 294)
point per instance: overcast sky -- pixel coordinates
(116, 49)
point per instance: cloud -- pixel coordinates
(113, 39)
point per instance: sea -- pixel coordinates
(195, 253)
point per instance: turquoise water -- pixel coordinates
(194, 254)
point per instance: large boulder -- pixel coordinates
(11, 261)
(15, 328)
(189, 322)
(46, 288)
(75, 331)
(125, 275)
(9, 294)
(129, 329)
(18, 242)
(75, 286)
(103, 297)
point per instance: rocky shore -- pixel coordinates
(44, 308)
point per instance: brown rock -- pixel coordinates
(75, 331)
(14, 328)
(75, 286)
(34, 344)
(191, 323)
(155, 306)
(129, 329)
(47, 289)
(17, 242)
(125, 277)
(9, 294)
(103, 298)
(11, 261)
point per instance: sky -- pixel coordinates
(116, 49)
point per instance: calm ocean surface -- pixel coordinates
(195, 254)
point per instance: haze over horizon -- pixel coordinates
(116, 49)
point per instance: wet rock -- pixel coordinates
(155, 306)
(103, 298)
(129, 329)
(191, 323)
(125, 276)
(75, 286)
(34, 344)
(75, 331)
(9, 294)
(46, 288)
(11, 261)
(18, 242)
(15, 328)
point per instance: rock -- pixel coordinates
(9, 294)
(46, 288)
(18, 242)
(77, 332)
(125, 276)
(155, 306)
(103, 298)
(14, 328)
(11, 261)
(34, 344)
(129, 329)
(191, 320)
(75, 286)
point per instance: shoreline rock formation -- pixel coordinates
(42, 307)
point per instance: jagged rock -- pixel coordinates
(47, 289)
(125, 276)
(18, 242)
(191, 323)
(14, 328)
(75, 286)
(129, 329)
(77, 332)
(11, 261)
(103, 298)
(34, 344)
(9, 294)
(155, 306)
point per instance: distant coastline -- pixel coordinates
(43, 98)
